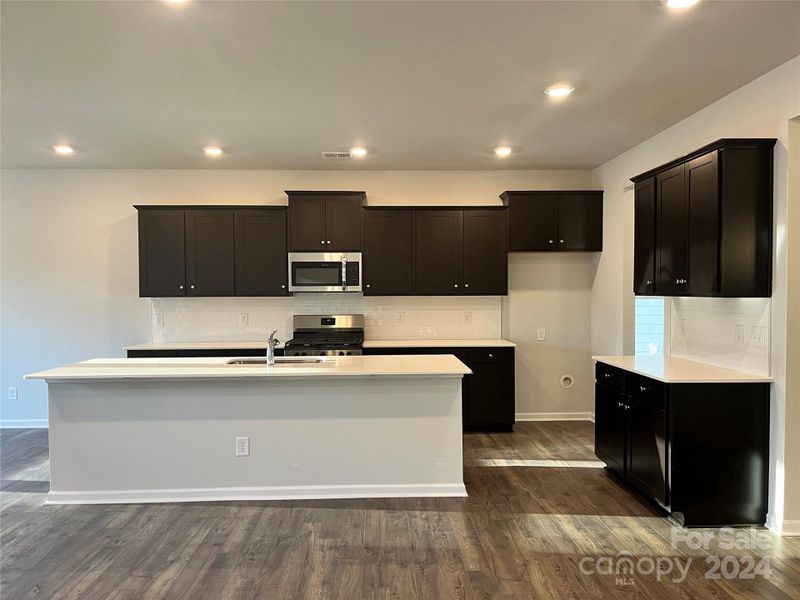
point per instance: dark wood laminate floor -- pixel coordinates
(539, 514)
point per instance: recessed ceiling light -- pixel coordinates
(63, 149)
(358, 152)
(502, 151)
(213, 151)
(560, 90)
(679, 3)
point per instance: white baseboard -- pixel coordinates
(556, 416)
(306, 492)
(23, 423)
(789, 528)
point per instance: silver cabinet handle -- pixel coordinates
(329, 241)
(322, 241)
(491, 355)
(367, 285)
(648, 282)
(560, 241)
(180, 287)
(466, 285)
(191, 287)
(549, 241)
(643, 389)
(283, 287)
(620, 405)
(455, 285)
(606, 375)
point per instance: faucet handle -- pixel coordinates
(272, 340)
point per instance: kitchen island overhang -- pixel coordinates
(164, 430)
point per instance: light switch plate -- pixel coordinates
(244, 319)
(12, 393)
(242, 446)
(160, 321)
(541, 334)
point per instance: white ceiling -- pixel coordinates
(422, 85)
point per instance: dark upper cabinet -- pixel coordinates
(162, 258)
(672, 238)
(533, 221)
(644, 250)
(388, 252)
(580, 221)
(325, 221)
(209, 252)
(713, 222)
(260, 259)
(485, 252)
(551, 221)
(438, 268)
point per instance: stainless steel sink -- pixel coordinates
(278, 361)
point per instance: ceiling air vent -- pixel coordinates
(335, 155)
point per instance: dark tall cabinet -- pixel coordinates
(325, 221)
(162, 255)
(555, 221)
(712, 222)
(260, 260)
(438, 252)
(388, 252)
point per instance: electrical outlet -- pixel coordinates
(160, 321)
(541, 334)
(244, 319)
(683, 328)
(740, 335)
(12, 393)
(758, 336)
(467, 317)
(401, 317)
(242, 446)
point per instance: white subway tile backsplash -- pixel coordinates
(705, 329)
(218, 319)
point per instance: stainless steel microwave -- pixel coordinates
(324, 271)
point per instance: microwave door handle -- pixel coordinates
(344, 274)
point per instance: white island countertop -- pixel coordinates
(251, 345)
(671, 369)
(445, 365)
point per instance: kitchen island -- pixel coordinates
(174, 429)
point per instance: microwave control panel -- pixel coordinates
(352, 273)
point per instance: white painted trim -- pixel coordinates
(790, 528)
(23, 423)
(555, 416)
(304, 492)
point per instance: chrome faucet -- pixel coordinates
(271, 343)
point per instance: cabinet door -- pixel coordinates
(307, 224)
(209, 253)
(485, 252)
(261, 262)
(580, 221)
(489, 392)
(647, 458)
(533, 222)
(343, 223)
(610, 427)
(162, 259)
(672, 239)
(388, 252)
(438, 252)
(702, 200)
(644, 238)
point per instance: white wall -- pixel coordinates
(69, 279)
(763, 108)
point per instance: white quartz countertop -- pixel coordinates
(104, 369)
(424, 343)
(671, 369)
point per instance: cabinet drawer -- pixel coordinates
(491, 355)
(610, 377)
(644, 388)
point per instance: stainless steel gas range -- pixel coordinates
(326, 335)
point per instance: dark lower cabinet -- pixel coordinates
(209, 253)
(388, 252)
(162, 256)
(487, 396)
(202, 353)
(699, 451)
(260, 260)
